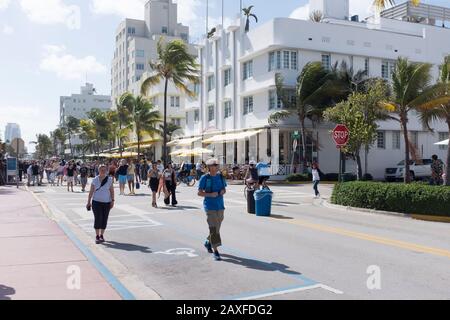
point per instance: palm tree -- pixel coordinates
(411, 90)
(59, 138)
(144, 118)
(175, 65)
(43, 146)
(316, 16)
(88, 133)
(382, 4)
(124, 110)
(248, 14)
(72, 127)
(441, 111)
(101, 125)
(316, 89)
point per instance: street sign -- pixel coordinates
(341, 135)
(296, 135)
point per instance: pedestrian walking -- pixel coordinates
(315, 171)
(131, 170)
(437, 171)
(71, 173)
(170, 181)
(84, 173)
(155, 176)
(29, 174)
(60, 174)
(212, 188)
(144, 171)
(160, 166)
(122, 173)
(101, 201)
(35, 173)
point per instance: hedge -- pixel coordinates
(299, 177)
(403, 198)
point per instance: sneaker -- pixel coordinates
(208, 247)
(217, 256)
(102, 239)
(97, 240)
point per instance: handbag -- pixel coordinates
(138, 186)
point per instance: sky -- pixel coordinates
(49, 48)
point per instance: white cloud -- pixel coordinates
(67, 66)
(363, 8)
(7, 30)
(50, 12)
(4, 4)
(133, 9)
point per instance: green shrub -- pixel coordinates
(299, 177)
(410, 199)
(367, 177)
(331, 177)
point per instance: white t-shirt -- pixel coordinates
(102, 194)
(160, 168)
(315, 174)
(198, 166)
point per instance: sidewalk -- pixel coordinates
(36, 257)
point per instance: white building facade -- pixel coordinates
(238, 92)
(136, 45)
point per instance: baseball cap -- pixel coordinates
(212, 162)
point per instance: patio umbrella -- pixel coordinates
(442, 143)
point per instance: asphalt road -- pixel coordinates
(304, 251)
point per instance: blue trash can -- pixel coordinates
(263, 202)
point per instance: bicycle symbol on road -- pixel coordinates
(179, 252)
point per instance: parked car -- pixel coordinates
(420, 169)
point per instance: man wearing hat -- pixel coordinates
(212, 188)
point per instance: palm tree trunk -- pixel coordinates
(358, 164)
(447, 174)
(165, 122)
(70, 145)
(404, 122)
(303, 132)
(120, 138)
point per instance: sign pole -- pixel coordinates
(17, 164)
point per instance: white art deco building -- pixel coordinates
(238, 92)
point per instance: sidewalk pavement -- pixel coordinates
(37, 260)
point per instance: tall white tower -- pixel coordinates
(335, 9)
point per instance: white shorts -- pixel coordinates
(70, 179)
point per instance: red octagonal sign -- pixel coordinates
(341, 135)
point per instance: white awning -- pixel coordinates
(442, 143)
(232, 136)
(183, 142)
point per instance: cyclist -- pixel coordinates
(251, 176)
(263, 173)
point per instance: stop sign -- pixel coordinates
(341, 135)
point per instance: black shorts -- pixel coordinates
(154, 184)
(263, 179)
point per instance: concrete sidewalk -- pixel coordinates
(37, 260)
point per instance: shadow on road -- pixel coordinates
(6, 291)
(258, 265)
(126, 247)
(280, 217)
(177, 208)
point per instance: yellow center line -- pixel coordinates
(371, 238)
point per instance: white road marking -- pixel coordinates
(133, 210)
(283, 292)
(179, 252)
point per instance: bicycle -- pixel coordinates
(189, 180)
(251, 186)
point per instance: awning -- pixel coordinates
(178, 152)
(193, 152)
(442, 143)
(125, 155)
(143, 143)
(232, 136)
(183, 142)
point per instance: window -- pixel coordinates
(443, 136)
(227, 109)
(131, 30)
(140, 53)
(283, 59)
(140, 66)
(175, 102)
(196, 116)
(381, 140)
(176, 122)
(387, 69)
(138, 78)
(184, 36)
(210, 112)
(211, 83)
(414, 138)
(248, 70)
(396, 140)
(187, 118)
(366, 66)
(286, 62)
(326, 62)
(276, 102)
(248, 105)
(227, 77)
(164, 30)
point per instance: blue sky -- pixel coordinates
(49, 47)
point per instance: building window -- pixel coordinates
(140, 53)
(175, 102)
(227, 77)
(184, 36)
(286, 62)
(326, 62)
(131, 30)
(211, 83)
(396, 140)
(138, 78)
(381, 140)
(248, 70)
(187, 118)
(272, 61)
(211, 112)
(140, 66)
(196, 116)
(443, 136)
(164, 30)
(227, 109)
(294, 60)
(248, 105)
(414, 138)
(387, 69)
(176, 122)
(366, 66)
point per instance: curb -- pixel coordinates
(428, 218)
(105, 263)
